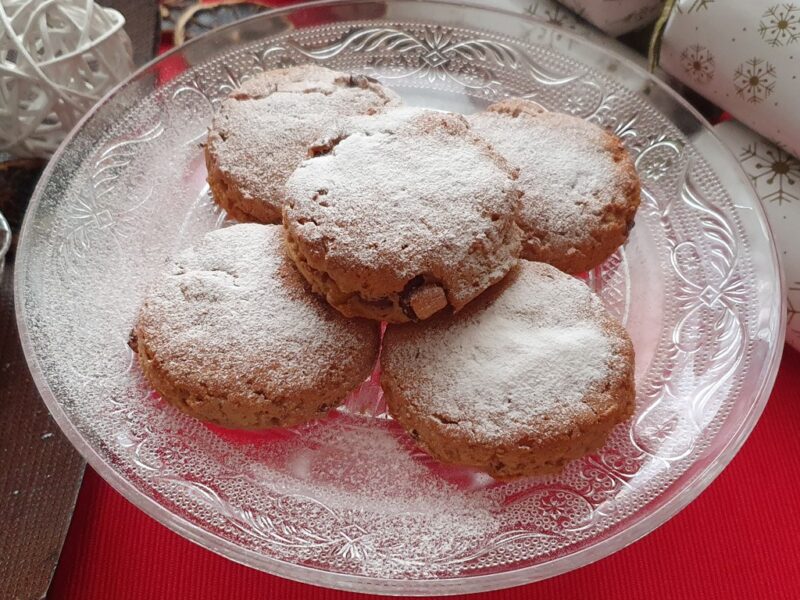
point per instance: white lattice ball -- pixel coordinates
(57, 58)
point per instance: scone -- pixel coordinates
(580, 187)
(532, 374)
(396, 216)
(230, 334)
(262, 131)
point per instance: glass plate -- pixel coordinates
(350, 502)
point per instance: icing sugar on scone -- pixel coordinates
(580, 187)
(230, 334)
(398, 215)
(530, 375)
(263, 129)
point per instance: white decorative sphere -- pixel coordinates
(57, 58)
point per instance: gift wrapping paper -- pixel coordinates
(555, 13)
(616, 17)
(546, 10)
(743, 56)
(775, 175)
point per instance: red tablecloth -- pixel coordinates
(740, 539)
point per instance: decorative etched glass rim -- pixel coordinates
(690, 484)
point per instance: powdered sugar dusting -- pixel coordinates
(85, 258)
(392, 121)
(347, 469)
(335, 463)
(567, 173)
(232, 314)
(403, 194)
(262, 131)
(533, 353)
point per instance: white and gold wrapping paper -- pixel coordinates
(775, 175)
(742, 56)
(614, 17)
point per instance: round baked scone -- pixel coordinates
(398, 215)
(231, 334)
(262, 131)
(530, 375)
(580, 187)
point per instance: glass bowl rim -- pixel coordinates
(691, 483)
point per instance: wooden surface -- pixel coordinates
(40, 472)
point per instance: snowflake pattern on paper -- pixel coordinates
(780, 25)
(754, 80)
(698, 63)
(774, 172)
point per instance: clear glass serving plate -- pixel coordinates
(349, 502)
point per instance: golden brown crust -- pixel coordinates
(250, 411)
(545, 443)
(227, 193)
(230, 334)
(370, 238)
(351, 305)
(589, 239)
(584, 253)
(262, 131)
(522, 458)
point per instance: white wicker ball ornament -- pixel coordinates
(57, 58)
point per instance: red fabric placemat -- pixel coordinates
(739, 539)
